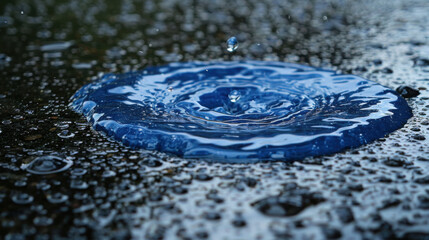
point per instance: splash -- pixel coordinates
(241, 111)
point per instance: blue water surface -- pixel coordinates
(241, 111)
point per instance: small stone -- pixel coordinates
(407, 92)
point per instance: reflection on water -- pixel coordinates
(241, 111)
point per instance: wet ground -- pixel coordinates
(49, 49)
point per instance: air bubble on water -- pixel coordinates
(47, 165)
(22, 12)
(234, 96)
(232, 44)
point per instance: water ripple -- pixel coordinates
(241, 111)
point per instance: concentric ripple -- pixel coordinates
(241, 111)
(47, 165)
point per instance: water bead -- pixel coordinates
(78, 184)
(234, 96)
(47, 165)
(78, 172)
(241, 111)
(22, 198)
(108, 174)
(42, 221)
(65, 134)
(20, 183)
(232, 44)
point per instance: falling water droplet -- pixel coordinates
(232, 44)
(234, 96)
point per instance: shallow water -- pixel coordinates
(241, 111)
